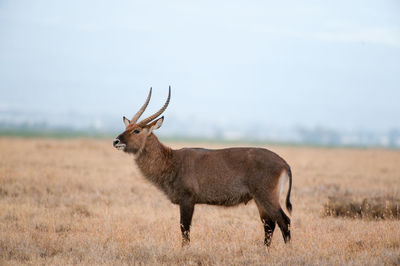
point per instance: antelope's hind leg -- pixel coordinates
(284, 224)
(269, 227)
(268, 222)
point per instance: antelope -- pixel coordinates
(224, 177)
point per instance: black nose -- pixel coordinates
(115, 142)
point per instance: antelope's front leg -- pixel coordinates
(186, 210)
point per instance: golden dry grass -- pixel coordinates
(378, 207)
(82, 202)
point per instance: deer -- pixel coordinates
(223, 177)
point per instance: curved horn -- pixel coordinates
(159, 112)
(141, 110)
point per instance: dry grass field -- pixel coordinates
(80, 201)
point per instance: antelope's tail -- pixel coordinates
(288, 203)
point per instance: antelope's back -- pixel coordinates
(227, 176)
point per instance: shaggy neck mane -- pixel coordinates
(155, 160)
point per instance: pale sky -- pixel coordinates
(283, 63)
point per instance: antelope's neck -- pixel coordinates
(155, 161)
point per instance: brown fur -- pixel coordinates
(225, 177)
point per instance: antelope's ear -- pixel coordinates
(155, 124)
(126, 121)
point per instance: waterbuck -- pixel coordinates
(225, 177)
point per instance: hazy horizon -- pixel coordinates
(282, 64)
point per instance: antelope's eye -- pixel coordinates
(136, 131)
